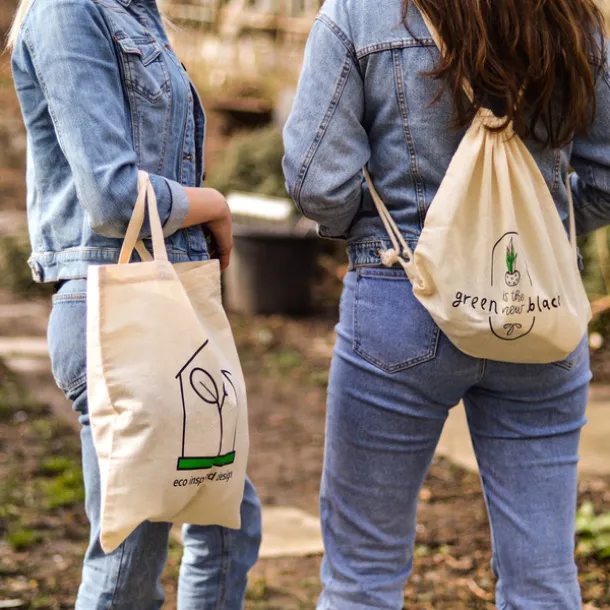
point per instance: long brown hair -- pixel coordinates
(553, 49)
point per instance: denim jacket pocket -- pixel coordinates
(144, 67)
(392, 330)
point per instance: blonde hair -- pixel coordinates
(13, 33)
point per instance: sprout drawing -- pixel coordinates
(512, 276)
(207, 389)
(212, 391)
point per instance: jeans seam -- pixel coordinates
(73, 297)
(80, 381)
(387, 273)
(403, 43)
(323, 126)
(566, 365)
(225, 552)
(418, 182)
(556, 172)
(339, 33)
(482, 369)
(168, 116)
(118, 576)
(494, 541)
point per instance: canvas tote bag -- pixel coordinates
(493, 265)
(166, 393)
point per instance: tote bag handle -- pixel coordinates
(146, 198)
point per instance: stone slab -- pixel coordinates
(287, 532)
(290, 532)
(14, 347)
(455, 441)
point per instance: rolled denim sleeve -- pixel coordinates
(591, 161)
(71, 55)
(324, 140)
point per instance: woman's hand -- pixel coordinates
(208, 207)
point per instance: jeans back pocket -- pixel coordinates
(392, 329)
(66, 336)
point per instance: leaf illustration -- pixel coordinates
(227, 375)
(205, 387)
(511, 257)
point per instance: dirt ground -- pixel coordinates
(44, 528)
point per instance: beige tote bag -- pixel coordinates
(493, 265)
(166, 392)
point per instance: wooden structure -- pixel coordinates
(243, 39)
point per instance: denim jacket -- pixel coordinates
(103, 95)
(362, 99)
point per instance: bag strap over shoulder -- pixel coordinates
(400, 252)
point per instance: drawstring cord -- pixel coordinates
(400, 251)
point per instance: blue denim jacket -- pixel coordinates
(362, 99)
(102, 95)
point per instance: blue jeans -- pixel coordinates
(216, 561)
(394, 378)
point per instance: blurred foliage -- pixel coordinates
(40, 475)
(13, 398)
(593, 276)
(15, 274)
(21, 539)
(12, 135)
(66, 488)
(252, 164)
(593, 532)
(592, 272)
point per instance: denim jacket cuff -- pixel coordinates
(179, 208)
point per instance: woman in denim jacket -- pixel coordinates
(103, 95)
(367, 95)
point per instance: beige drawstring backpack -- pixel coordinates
(493, 265)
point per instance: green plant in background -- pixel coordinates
(15, 275)
(23, 539)
(593, 532)
(252, 164)
(65, 489)
(48, 479)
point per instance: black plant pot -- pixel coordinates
(271, 271)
